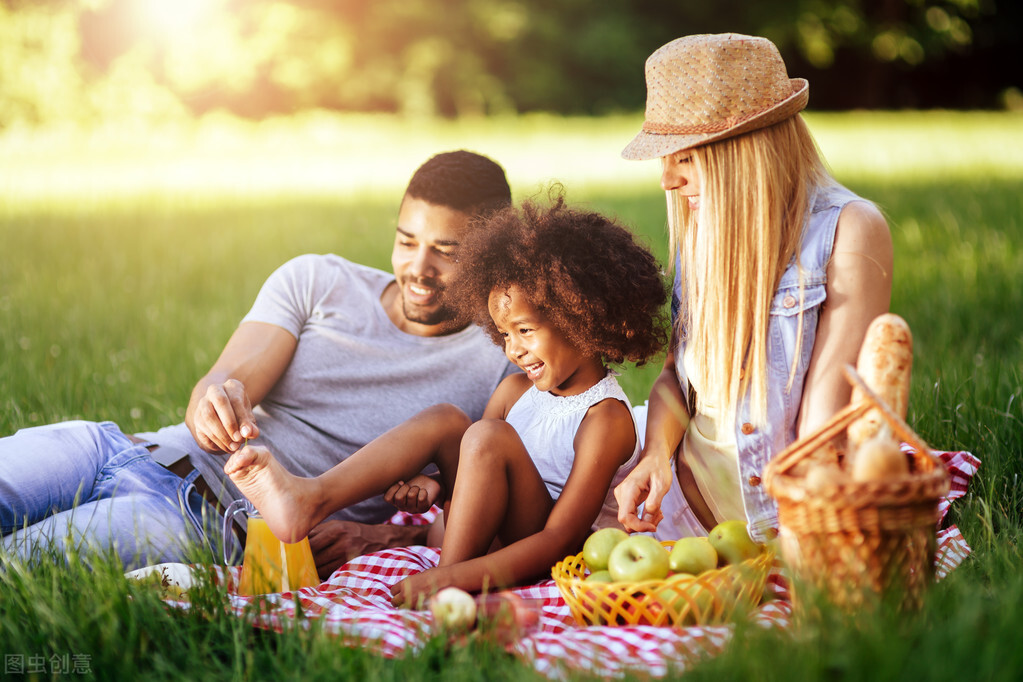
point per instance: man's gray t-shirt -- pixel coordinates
(354, 374)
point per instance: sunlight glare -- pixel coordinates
(166, 16)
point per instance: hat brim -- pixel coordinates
(647, 145)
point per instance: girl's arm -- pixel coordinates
(667, 419)
(605, 440)
(505, 395)
(859, 289)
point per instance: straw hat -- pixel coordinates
(705, 88)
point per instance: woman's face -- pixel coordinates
(678, 172)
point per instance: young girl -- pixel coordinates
(566, 293)
(780, 270)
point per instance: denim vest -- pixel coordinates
(757, 445)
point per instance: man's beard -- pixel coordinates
(432, 316)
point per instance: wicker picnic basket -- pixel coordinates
(858, 541)
(710, 598)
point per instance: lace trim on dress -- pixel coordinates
(564, 404)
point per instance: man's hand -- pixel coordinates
(336, 542)
(219, 413)
(222, 420)
(415, 496)
(646, 484)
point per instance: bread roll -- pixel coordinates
(821, 477)
(879, 459)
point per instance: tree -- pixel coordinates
(460, 57)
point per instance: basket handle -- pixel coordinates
(802, 449)
(899, 426)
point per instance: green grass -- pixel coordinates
(128, 259)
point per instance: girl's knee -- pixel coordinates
(447, 416)
(488, 437)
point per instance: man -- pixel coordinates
(331, 355)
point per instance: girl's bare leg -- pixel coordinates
(292, 505)
(498, 493)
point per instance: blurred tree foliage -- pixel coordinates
(95, 59)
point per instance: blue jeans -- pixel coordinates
(85, 486)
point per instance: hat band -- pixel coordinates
(702, 128)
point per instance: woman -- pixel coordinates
(779, 271)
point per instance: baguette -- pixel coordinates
(884, 363)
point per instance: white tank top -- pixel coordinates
(547, 425)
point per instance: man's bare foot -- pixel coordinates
(283, 499)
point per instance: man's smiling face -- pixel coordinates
(423, 261)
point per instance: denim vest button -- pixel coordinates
(789, 301)
(754, 480)
(747, 429)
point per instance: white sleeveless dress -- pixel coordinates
(547, 425)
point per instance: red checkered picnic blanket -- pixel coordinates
(354, 604)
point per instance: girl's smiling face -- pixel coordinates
(539, 348)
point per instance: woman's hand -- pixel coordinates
(666, 423)
(647, 484)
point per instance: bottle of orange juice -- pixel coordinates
(270, 565)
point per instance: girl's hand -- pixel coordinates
(647, 484)
(413, 591)
(415, 496)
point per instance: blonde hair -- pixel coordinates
(754, 198)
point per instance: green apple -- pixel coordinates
(672, 594)
(599, 577)
(732, 542)
(597, 548)
(640, 557)
(686, 600)
(701, 605)
(453, 609)
(692, 555)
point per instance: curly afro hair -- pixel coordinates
(585, 272)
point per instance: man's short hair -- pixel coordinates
(462, 180)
